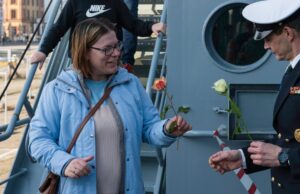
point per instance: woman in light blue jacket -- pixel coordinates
(106, 156)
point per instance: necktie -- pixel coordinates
(286, 76)
(284, 84)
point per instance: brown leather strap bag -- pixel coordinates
(50, 185)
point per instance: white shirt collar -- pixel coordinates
(294, 62)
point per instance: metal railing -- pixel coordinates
(153, 69)
(159, 98)
(196, 134)
(23, 96)
(156, 51)
(3, 102)
(7, 130)
(22, 171)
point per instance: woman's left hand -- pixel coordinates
(181, 127)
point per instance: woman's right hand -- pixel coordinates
(182, 126)
(38, 57)
(78, 167)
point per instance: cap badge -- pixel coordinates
(297, 135)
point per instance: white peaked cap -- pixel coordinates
(268, 14)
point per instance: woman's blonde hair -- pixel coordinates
(87, 33)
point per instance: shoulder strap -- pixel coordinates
(87, 117)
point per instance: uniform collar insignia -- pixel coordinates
(295, 90)
(297, 135)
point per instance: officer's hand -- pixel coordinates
(78, 167)
(264, 154)
(225, 161)
(38, 57)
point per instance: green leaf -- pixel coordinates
(172, 127)
(183, 109)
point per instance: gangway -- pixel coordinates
(27, 174)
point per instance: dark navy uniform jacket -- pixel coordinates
(286, 119)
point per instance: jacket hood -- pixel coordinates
(71, 81)
(71, 78)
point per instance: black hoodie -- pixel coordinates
(76, 11)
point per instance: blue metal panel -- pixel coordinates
(191, 73)
(188, 171)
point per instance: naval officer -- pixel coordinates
(277, 22)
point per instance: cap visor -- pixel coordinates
(261, 35)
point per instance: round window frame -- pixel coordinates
(210, 48)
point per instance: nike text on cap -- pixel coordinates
(268, 15)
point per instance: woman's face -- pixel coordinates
(102, 62)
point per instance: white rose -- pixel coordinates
(220, 87)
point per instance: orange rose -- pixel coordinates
(160, 84)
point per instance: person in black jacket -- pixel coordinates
(279, 26)
(129, 39)
(76, 11)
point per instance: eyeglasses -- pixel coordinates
(108, 51)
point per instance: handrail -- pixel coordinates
(157, 188)
(223, 133)
(196, 134)
(156, 51)
(23, 54)
(153, 68)
(221, 129)
(160, 95)
(159, 103)
(18, 123)
(22, 171)
(15, 117)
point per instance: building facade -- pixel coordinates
(1, 17)
(20, 18)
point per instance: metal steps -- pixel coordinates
(143, 70)
(150, 166)
(151, 2)
(147, 151)
(147, 44)
(150, 17)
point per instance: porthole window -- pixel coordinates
(229, 39)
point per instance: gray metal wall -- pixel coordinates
(191, 73)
